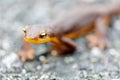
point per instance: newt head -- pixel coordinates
(35, 35)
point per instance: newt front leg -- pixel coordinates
(63, 45)
(26, 52)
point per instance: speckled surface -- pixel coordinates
(84, 64)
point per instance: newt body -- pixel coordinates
(77, 22)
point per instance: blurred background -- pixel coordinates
(83, 65)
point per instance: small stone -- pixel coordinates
(114, 52)
(2, 53)
(46, 61)
(29, 67)
(3, 68)
(104, 74)
(46, 67)
(42, 58)
(75, 66)
(50, 76)
(9, 60)
(33, 78)
(54, 53)
(23, 71)
(82, 74)
(117, 24)
(69, 60)
(96, 77)
(114, 74)
(38, 67)
(99, 68)
(6, 44)
(96, 52)
(44, 76)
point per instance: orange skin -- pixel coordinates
(77, 22)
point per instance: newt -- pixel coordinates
(77, 22)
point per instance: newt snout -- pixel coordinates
(35, 38)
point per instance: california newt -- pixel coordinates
(79, 21)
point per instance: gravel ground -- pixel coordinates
(84, 64)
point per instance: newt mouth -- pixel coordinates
(37, 41)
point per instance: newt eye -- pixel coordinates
(25, 29)
(43, 35)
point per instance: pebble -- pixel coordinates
(39, 67)
(42, 58)
(114, 52)
(69, 60)
(46, 67)
(10, 60)
(6, 44)
(96, 52)
(3, 68)
(75, 66)
(24, 71)
(117, 24)
(114, 74)
(95, 77)
(30, 67)
(50, 76)
(2, 53)
(99, 68)
(83, 74)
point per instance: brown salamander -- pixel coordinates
(79, 21)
